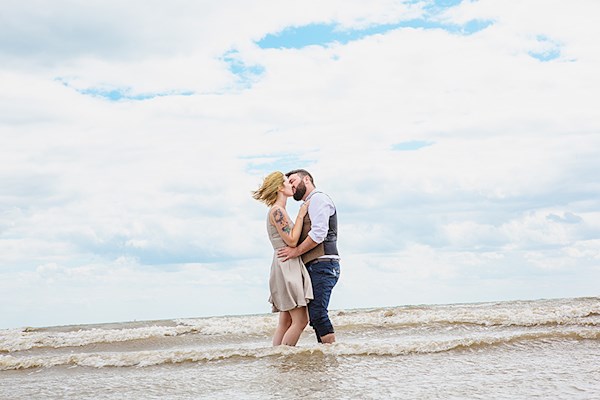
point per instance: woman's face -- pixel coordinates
(287, 188)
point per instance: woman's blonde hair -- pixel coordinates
(267, 193)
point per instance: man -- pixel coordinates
(318, 249)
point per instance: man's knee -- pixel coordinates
(319, 320)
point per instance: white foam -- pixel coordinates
(568, 312)
(14, 340)
(382, 348)
(238, 325)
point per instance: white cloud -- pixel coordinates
(585, 249)
(505, 191)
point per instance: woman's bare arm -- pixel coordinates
(280, 219)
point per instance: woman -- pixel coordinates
(289, 283)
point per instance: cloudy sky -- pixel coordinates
(458, 139)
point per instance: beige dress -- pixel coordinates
(289, 281)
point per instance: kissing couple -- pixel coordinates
(306, 262)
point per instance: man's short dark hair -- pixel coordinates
(302, 173)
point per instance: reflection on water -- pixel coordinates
(302, 375)
(552, 370)
(316, 362)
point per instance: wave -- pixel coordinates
(14, 340)
(162, 357)
(583, 312)
(570, 312)
(24, 339)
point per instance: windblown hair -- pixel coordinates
(267, 193)
(302, 173)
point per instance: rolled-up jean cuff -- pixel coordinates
(323, 330)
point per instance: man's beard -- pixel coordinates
(300, 191)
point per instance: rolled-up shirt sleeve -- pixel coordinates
(319, 210)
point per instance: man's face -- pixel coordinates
(298, 186)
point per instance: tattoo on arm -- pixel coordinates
(281, 220)
(278, 216)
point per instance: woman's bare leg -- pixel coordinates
(299, 318)
(285, 320)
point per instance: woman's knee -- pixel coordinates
(285, 319)
(300, 316)
(303, 319)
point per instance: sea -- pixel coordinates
(540, 349)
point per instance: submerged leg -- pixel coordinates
(299, 322)
(285, 320)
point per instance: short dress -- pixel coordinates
(289, 281)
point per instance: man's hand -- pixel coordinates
(285, 253)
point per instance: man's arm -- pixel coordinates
(319, 210)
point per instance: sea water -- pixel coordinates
(543, 349)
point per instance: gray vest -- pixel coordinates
(326, 248)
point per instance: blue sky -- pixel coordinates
(458, 139)
(322, 34)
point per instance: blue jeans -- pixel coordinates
(324, 275)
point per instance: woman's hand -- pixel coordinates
(303, 209)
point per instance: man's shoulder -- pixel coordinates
(321, 197)
(317, 194)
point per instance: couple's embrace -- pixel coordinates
(305, 265)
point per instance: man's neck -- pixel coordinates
(308, 193)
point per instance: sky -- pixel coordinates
(458, 139)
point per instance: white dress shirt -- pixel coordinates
(321, 207)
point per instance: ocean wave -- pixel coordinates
(570, 312)
(25, 339)
(161, 357)
(18, 340)
(581, 312)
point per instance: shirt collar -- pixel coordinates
(310, 195)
